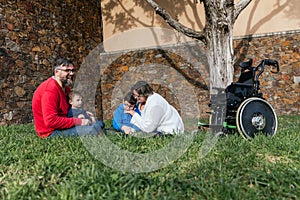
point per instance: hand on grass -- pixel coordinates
(127, 129)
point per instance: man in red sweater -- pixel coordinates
(50, 105)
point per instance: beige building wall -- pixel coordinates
(267, 16)
(126, 23)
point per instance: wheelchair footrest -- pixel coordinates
(225, 125)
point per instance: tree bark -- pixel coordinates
(218, 29)
(220, 59)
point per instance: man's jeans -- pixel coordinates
(94, 129)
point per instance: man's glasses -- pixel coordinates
(67, 70)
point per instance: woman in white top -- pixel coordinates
(157, 115)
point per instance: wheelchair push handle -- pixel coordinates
(261, 67)
(273, 63)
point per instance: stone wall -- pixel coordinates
(179, 73)
(281, 90)
(32, 35)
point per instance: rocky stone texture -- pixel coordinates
(281, 91)
(179, 73)
(34, 33)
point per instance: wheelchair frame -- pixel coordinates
(241, 105)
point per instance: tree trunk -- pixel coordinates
(220, 58)
(218, 29)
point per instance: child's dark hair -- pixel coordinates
(130, 98)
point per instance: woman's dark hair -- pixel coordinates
(130, 98)
(142, 88)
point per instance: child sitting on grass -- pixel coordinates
(121, 120)
(76, 110)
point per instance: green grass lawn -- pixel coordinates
(62, 168)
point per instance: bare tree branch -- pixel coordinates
(240, 6)
(176, 25)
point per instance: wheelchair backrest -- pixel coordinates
(247, 77)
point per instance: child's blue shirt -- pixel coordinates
(123, 119)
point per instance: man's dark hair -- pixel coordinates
(142, 88)
(63, 62)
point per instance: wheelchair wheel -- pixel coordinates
(256, 116)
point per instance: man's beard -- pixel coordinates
(67, 82)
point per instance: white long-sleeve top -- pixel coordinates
(158, 115)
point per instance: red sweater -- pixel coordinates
(50, 108)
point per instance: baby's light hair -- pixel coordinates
(73, 94)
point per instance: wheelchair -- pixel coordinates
(241, 106)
